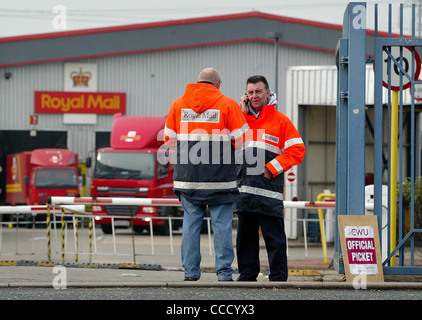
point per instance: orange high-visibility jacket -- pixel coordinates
(204, 127)
(274, 142)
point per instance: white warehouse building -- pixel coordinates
(140, 69)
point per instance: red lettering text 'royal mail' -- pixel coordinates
(80, 102)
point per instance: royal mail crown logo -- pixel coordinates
(130, 137)
(55, 157)
(80, 79)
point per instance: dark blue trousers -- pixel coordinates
(247, 245)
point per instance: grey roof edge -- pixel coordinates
(168, 35)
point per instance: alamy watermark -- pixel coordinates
(60, 281)
(60, 19)
(359, 282)
(359, 20)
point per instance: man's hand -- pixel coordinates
(267, 173)
(244, 104)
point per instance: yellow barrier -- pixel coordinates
(76, 222)
(321, 197)
(48, 234)
(393, 172)
(63, 236)
(90, 239)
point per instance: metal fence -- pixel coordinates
(70, 232)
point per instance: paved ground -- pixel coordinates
(161, 269)
(304, 273)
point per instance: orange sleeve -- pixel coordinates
(293, 151)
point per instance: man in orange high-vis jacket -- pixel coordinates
(273, 146)
(203, 129)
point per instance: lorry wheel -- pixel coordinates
(106, 228)
(175, 223)
(163, 230)
(139, 229)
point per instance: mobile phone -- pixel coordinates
(246, 102)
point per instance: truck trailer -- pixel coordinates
(34, 176)
(130, 168)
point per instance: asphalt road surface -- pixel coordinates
(205, 294)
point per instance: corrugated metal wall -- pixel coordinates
(311, 94)
(317, 85)
(151, 81)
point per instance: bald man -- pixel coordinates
(203, 129)
(211, 76)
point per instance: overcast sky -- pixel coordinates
(23, 17)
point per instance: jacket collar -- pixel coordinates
(265, 109)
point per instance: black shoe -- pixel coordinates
(191, 279)
(246, 279)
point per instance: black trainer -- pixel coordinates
(191, 279)
(246, 279)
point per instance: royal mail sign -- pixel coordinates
(80, 102)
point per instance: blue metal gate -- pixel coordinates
(350, 146)
(396, 66)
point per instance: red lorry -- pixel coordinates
(130, 168)
(34, 176)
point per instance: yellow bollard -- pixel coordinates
(48, 234)
(321, 197)
(63, 235)
(90, 239)
(393, 173)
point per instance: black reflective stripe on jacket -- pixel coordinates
(257, 193)
(205, 171)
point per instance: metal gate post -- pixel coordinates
(350, 132)
(378, 119)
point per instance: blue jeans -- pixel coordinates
(221, 222)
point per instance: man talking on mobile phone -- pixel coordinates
(273, 146)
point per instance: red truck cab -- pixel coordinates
(34, 176)
(130, 168)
